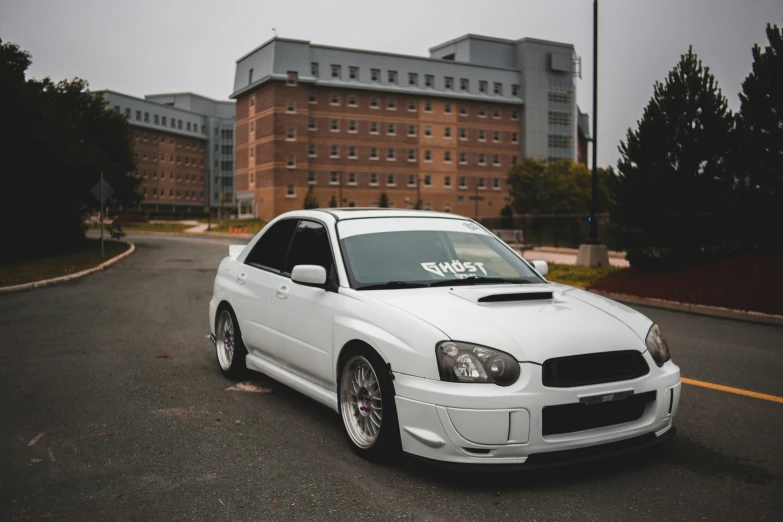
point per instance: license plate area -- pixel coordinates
(595, 411)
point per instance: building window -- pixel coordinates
(352, 100)
(411, 180)
(412, 105)
(447, 207)
(292, 78)
(496, 136)
(392, 76)
(427, 181)
(391, 129)
(482, 86)
(429, 80)
(156, 119)
(448, 83)
(373, 127)
(514, 137)
(496, 113)
(447, 181)
(311, 97)
(513, 160)
(334, 151)
(128, 113)
(373, 179)
(252, 104)
(290, 106)
(334, 126)
(351, 125)
(352, 178)
(146, 118)
(427, 131)
(515, 90)
(447, 156)
(290, 134)
(496, 184)
(373, 153)
(446, 108)
(163, 120)
(390, 155)
(463, 184)
(252, 127)
(463, 110)
(447, 132)
(311, 150)
(375, 75)
(390, 181)
(138, 115)
(179, 124)
(463, 158)
(290, 191)
(482, 135)
(481, 160)
(482, 112)
(291, 162)
(413, 79)
(352, 152)
(427, 156)
(496, 160)
(334, 178)
(314, 69)
(391, 104)
(353, 73)
(373, 102)
(514, 115)
(481, 184)
(464, 85)
(311, 180)
(411, 130)
(335, 99)
(428, 206)
(428, 106)
(311, 124)
(497, 88)
(411, 154)
(336, 71)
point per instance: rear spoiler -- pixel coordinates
(235, 250)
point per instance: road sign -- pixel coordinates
(102, 195)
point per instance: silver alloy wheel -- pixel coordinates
(360, 402)
(224, 342)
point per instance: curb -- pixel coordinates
(574, 251)
(710, 311)
(197, 235)
(69, 277)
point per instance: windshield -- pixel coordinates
(408, 252)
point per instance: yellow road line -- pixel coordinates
(729, 389)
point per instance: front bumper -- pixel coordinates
(488, 424)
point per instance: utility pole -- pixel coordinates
(418, 192)
(594, 202)
(102, 254)
(340, 178)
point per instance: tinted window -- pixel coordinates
(310, 247)
(271, 249)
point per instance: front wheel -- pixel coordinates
(229, 347)
(367, 405)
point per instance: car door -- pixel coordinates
(306, 313)
(257, 280)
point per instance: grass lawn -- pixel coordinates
(253, 225)
(145, 227)
(60, 264)
(582, 276)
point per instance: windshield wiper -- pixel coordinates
(389, 285)
(474, 280)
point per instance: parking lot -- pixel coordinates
(114, 409)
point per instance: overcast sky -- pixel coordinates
(144, 47)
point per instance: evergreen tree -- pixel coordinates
(383, 201)
(759, 145)
(333, 201)
(310, 201)
(675, 185)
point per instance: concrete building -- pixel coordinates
(350, 124)
(184, 146)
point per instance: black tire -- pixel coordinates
(236, 368)
(387, 442)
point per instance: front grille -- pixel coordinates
(594, 368)
(568, 418)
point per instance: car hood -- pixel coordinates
(533, 323)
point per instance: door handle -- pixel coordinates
(241, 278)
(282, 292)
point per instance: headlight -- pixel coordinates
(657, 346)
(463, 362)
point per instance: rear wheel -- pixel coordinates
(229, 347)
(367, 406)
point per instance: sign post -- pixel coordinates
(102, 191)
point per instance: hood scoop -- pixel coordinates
(504, 294)
(507, 298)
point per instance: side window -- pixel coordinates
(271, 249)
(310, 247)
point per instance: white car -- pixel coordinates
(427, 333)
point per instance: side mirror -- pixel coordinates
(541, 267)
(309, 275)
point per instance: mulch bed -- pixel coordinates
(743, 282)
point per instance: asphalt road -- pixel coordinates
(97, 425)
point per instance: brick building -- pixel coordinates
(184, 148)
(442, 130)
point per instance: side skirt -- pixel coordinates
(303, 386)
